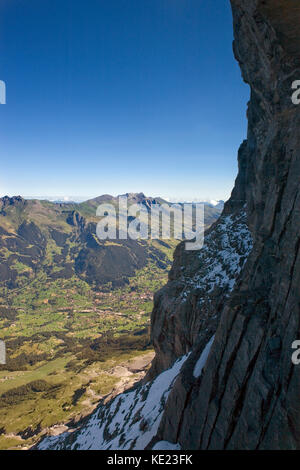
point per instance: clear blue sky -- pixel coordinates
(115, 96)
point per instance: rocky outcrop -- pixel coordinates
(235, 305)
(76, 220)
(187, 310)
(247, 396)
(7, 201)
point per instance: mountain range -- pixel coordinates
(59, 239)
(224, 325)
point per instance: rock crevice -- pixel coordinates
(248, 394)
(242, 288)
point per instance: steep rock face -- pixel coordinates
(187, 310)
(129, 421)
(247, 396)
(132, 419)
(237, 388)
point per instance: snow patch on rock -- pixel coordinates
(222, 257)
(165, 445)
(203, 358)
(129, 421)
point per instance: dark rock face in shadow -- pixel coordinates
(234, 305)
(247, 396)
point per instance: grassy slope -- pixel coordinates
(64, 330)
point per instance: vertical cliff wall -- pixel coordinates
(234, 306)
(247, 395)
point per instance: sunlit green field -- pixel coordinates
(63, 340)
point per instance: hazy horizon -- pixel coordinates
(78, 199)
